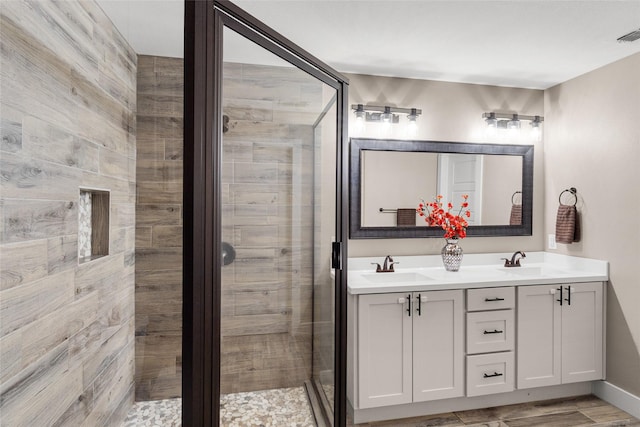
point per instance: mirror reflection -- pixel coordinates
(394, 182)
(389, 178)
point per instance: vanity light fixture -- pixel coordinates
(412, 127)
(491, 120)
(512, 121)
(386, 116)
(413, 115)
(360, 113)
(384, 113)
(536, 128)
(360, 118)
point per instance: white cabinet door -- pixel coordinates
(438, 363)
(582, 321)
(559, 344)
(384, 350)
(539, 336)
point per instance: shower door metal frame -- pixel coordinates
(204, 23)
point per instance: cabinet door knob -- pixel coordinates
(552, 291)
(402, 300)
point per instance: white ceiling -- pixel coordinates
(521, 43)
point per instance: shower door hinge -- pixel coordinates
(336, 255)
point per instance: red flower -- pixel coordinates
(455, 226)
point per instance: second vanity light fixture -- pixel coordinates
(385, 115)
(513, 122)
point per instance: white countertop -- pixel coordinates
(423, 273)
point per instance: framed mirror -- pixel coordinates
(389, 178)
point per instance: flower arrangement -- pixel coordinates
(455, 226)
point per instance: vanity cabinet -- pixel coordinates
(423, 340)
(560, 334)
(410, 347)
(490, 340)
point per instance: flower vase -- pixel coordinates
(452, 255)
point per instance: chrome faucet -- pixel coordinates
(387, 266)
(514, 262)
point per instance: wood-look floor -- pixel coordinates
(570, 412)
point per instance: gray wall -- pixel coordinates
(68, 120)
(450, 112)
(592, 142)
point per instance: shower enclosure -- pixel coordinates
(195, 270)
(263, 210)
(278, 155)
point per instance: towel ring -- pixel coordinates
(514, 195)
(571, 190)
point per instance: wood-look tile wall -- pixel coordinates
(159, 228)
(68, 82)
(268, 216)
(267, 192)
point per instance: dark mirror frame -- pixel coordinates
(357, 145)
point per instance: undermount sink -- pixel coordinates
(531, 271)
(396, 277)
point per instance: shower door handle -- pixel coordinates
(336, 255)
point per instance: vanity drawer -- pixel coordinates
(490, 331)
(491, 298)
(490, 373)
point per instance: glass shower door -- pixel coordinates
(265, 199)
(278, 222)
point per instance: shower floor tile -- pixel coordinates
(155, 413)
(265, 408)
(268, 408)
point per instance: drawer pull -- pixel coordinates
(495, 374)
(493, 299)
(495, 331)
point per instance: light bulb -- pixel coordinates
(514, 123)
(412, 127)
(358, 127)
(491, 121)
(536, 129)
(492, 126)
(386, 116)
